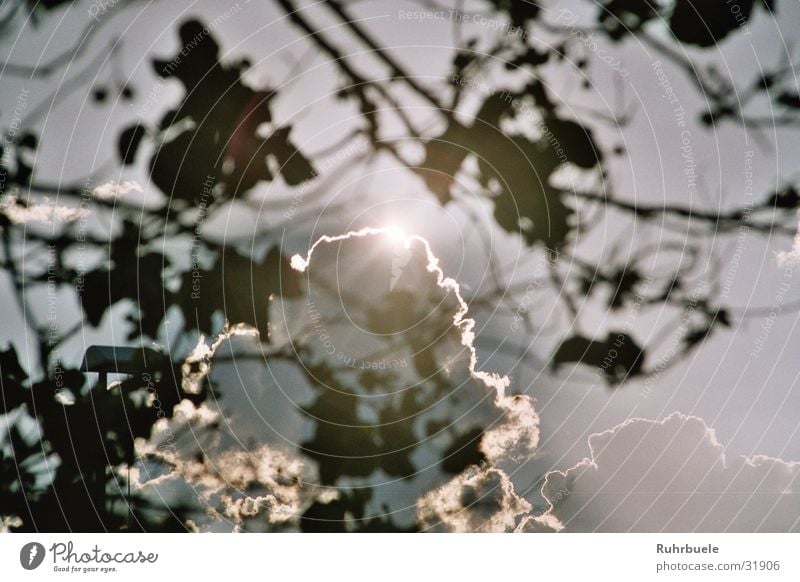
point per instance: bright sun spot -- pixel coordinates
(395, 233)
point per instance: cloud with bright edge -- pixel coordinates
(477, 500)
(113, 190)
(8, 522)
(197, 365)
(642, 475)
(518, 435)
(280, 485)
(47, 212)
(672, 476)
(229, 488)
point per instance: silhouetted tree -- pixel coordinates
(211, 149)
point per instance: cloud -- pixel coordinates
(8, 522)
(21, 212)
(538, 524)
(46, 211)
(112, 190)
(673, 475)
(231, 489)
(792, 257)
(255, 490)
(197, 365)
(198, 453)
(517, 435)
(477, 500)
(193, 460)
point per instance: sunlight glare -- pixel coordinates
(395, 233)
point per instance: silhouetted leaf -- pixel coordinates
(444, 156)
(706, 23)
(343, 443)
(576, 141)
(695, 336)
(519, 11)
(623, 283)
(237, 287)
(791, 100)
(129, 141)
(346, 513)
(527, 204)
(28, 141)
(133, 274)
(12, 378)
(182, 167)
(223, 141)
(464, 451)
(786, 197)
(294, 166)
(530, 57)
(616, 359)
(620, 17)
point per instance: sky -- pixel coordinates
(732, 400)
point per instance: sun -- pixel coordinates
(395, 233)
